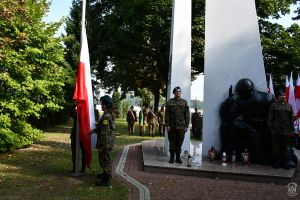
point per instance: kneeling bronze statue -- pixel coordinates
(244, 119)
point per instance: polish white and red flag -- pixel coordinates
(84, 97)
(291, 97)
(287, 88)
(297, 96)
(271, 88)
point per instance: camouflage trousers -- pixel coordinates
(151, 127)
(176, 137)
(143, 129)
(104, 156)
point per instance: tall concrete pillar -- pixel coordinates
(232, 51)
(180, 57)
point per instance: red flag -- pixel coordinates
(297, 96)
(287, 88)
(84, 98)
(291, 98)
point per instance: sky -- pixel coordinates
(61, 8)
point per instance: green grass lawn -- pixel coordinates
(42, 171)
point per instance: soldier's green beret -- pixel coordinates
(106, 100)
(176, 89)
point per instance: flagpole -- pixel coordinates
(83, 16)
(76, 173)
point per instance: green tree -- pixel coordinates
(116, 99)
(129, 40)
(281, 50)
(33, 72)
(124, 106)
(146, 97)
(273, 8)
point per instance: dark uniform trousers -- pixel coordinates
(162, 128)
(130, 128)
(176, 137)
(83, 153)
(279, 146)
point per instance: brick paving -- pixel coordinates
(167, 186)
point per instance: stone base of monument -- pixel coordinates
(156, 160)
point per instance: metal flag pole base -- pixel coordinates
(78, 174)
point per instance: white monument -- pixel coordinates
(180, 57)
(232, 52)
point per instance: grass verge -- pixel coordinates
(42, 171)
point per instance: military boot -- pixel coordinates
(171, 158)
(100, 176)
(178, 160)
(104, 181)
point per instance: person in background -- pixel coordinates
(177, 123)
(197, 120)
(143, 119)
(161, 121)
(152, 121)
(131, 119)
(73, 114)
(281, 126)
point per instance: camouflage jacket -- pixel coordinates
(161, 117)
(280, 119)
(177, 114)
(106, 132)
(143, 116)
(151, 117)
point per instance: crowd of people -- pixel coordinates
(148, 121)
(151, 123)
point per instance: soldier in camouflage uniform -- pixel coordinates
(161, 121)
(177, 122)
(143, 119)
(105, 141)
(281, 126)
(152, 121)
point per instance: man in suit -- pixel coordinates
(131, 119)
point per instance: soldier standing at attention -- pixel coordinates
(105, 141)
(152, 121)
(281, 126)
(131, 119)
(161, 121)
(177, 123)
(197, 120)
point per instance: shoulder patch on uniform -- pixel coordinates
(105, 122)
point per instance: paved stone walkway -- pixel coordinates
(166, 186)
